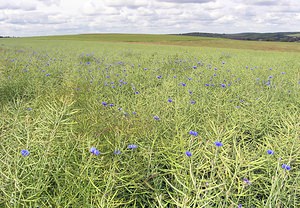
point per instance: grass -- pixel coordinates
(180, 41)
(61, 97)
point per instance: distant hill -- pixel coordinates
(277, 36)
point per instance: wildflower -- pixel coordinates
(193, 102)
(190, 92)
(247, 181)
(223, 85)
(170, 100)
(134, 113)
(207, 85)
(270, 152)
(156, 118)
(94, 151)
(137, 92)
(25, 152)
(104, 103)
(188, 153)
(111, 105)
(193, 133)
(117, 152)
(132, 146)
(219, 144)
(183, 84)
(47, 75)
(286, 167)
(270, 77)
(29, 109)
(194, 67)
(240, 206)
(159, 77)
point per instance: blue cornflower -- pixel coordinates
(193, 102)
(170, 100)
(286, 167)
(207, 85)
(219, 144)
(156, 118)
(159, 77)
(270, 77)
(111, 105)
(29, 109)
(132, 146)
(25, 152)
(240, 206)
(194, 67)
(134, 113)
(94, 151)
(183, 84)
(190, 92)
(223, 85)
(104, 103)
(270, 152)
(193, 133)
(188, 153)
(47, 75)
(117, 152)
(247, 181)
(137, 92)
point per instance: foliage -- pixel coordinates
(90, 124)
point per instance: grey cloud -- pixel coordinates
(187, 1)
(15, 5)
(50, 2)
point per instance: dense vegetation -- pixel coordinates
(106, 124)
(277, 36)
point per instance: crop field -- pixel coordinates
(120, 121)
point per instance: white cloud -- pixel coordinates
(44, 17)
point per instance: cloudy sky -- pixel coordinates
(54, 17)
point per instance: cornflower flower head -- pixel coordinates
(94, 151)
(132, 146)
(188, 153)
(156, 118)
(104, 103)
(170, 100)
(159, 77)
(219, 144)
(194, 67)
(223, 85)
(29, 109)
(270, 152)
(286, 167)
(117, 152)
(193, 102)
(193, 133)
(25, 152)
(247, 181)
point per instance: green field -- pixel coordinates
(178, 122)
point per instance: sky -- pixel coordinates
(58, 17)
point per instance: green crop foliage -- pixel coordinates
(61, 97)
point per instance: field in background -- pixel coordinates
(181, 41)
(175, 126)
